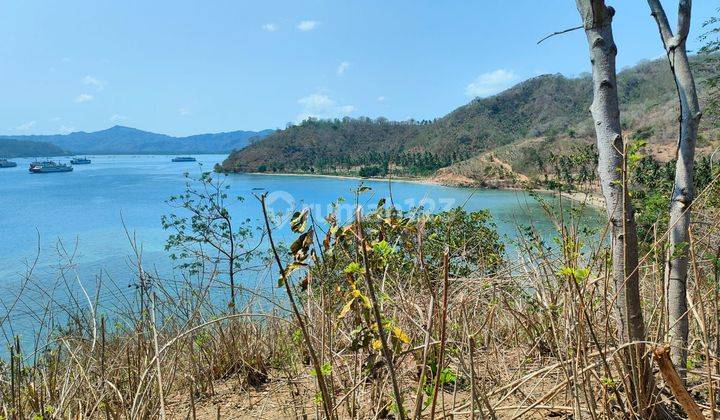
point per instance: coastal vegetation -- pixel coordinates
(393, 313)
(24, 148)
(503, 140)
(467, 326)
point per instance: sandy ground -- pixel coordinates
(428, 181)
(590, 199)
(451, 180)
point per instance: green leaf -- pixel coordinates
(447, 376)
(354, 268)
(325, 369)
(382, 249)
(578, 274)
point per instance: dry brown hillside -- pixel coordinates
(501, 140)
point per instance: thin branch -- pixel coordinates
(326, 396)
(387, 354)
(560, 33)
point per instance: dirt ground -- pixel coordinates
(271, 401)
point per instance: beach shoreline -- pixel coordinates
(592, 200)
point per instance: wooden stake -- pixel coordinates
(673, 381)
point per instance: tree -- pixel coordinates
(683, 193)
(710, 50)
(208, 239)
(605, 110)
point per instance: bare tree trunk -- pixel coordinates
(597, 21)
(676, 266)
(606, 113)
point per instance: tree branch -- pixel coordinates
(684, 8)
(673, 381)
(560, 33)
(658, 13)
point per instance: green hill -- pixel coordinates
(505, 137)
(26, 148)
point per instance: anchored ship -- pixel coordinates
(49, 166)
(183, 159)
(80, 161)
(4, 163)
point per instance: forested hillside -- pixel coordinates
(499, 139)
(25, 148)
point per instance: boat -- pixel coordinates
(80, 161)
(183, 159)
(49, 166)
(4, 163)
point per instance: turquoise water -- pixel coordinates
(78, 216)
(85, 209)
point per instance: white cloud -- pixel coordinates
(381, 98)
(308, 25)
(118, 117)
(316, 100)
(26, 126)
(65, 129)
(84, 97)
(491, 83)
(342, 67)
(184, 111)
(320, 105)
(55, 119)
(270, 27)
(92, 81)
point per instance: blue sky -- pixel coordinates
(184, 67)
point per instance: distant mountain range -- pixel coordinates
(494, 141)
(127, 140)
(11, 148)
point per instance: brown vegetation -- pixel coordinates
(522, 338)
(522, 126)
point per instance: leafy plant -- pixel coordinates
(203, 233)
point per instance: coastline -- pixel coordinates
(426, 181)
(591, 200)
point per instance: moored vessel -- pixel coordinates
(49, 166)
(184, 159)
(80, 161)
(4, 163)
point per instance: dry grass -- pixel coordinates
(533, 339)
